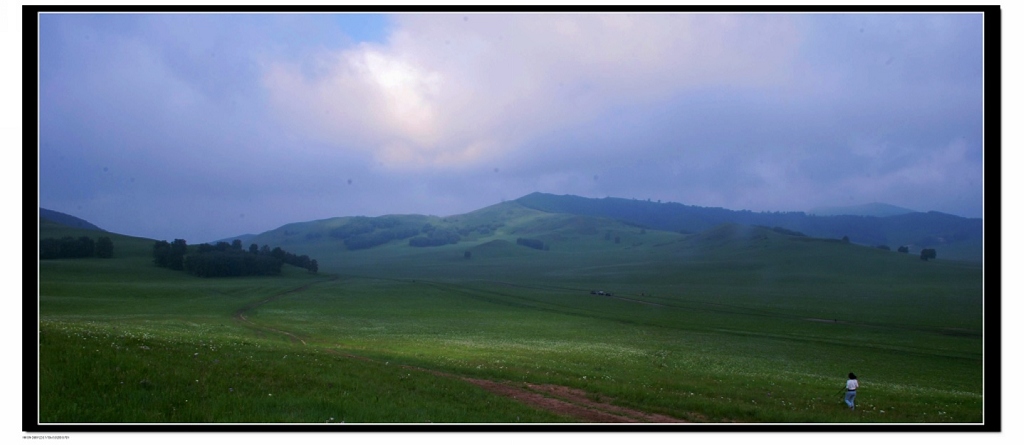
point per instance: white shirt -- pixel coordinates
(852, 385)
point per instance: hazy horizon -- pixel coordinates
(819, 211)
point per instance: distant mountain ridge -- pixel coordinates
(67, 220)
(873, 209)
(955, 236)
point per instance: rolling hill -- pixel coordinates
(67, 220)
(573, 222)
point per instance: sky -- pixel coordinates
(208, 126)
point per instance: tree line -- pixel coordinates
(373, 239)
(227, 260)
(435, 236)
(531, 243)
(364, 232)
(70, 247)
(926, 254)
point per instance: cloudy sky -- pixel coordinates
(213, 125)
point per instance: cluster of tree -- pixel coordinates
(357, 226)
(483, 229)
(376, 238)
(533, 243)
(360, 225)
(926, 254)
(70, 247)
(303, 261)
(230, 263)
(785, 231)
(227, 260)
(364, 232)
(436, 237)
(884, 247)
(170, 255)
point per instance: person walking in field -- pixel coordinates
(851, 390)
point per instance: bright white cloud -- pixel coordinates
(454, 91)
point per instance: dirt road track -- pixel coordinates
(563, 400)
(240, 313)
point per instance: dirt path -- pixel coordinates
(563, 400)
(240, 313)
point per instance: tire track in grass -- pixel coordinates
(743, 310)
(562, 400)
(240, 313)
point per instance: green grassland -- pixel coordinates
(735, 324)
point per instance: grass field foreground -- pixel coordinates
(713, 327)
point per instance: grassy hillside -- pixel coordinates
(67, 220)
(736, 323)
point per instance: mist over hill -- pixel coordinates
(958, 237)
